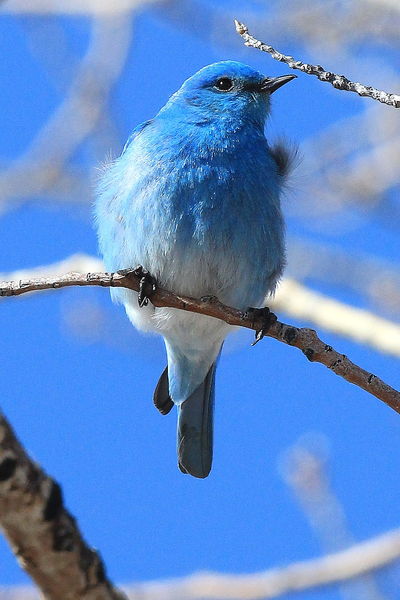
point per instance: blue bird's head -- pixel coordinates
(228, 90)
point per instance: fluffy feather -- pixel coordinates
(195, 200)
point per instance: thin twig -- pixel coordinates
(292, 297)
(306, 340)
(339, 82)
(43, 535)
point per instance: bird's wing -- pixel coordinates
(137, 131)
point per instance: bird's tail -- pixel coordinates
(195, 429)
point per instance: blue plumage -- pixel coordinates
(195, 199)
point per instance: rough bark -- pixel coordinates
(43, 535)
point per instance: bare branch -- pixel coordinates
(292, 297)
(43, 535)
(297, 577)
(356, 324)
(334, 568)
(339, 82)
(304, 339)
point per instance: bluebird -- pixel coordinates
(194, 198)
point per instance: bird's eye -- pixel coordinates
(224, 84)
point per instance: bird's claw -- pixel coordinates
(266, 317)
(147, 286)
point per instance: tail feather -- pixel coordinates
(195, 429)
(162, 399)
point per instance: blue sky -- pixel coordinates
(83, 406)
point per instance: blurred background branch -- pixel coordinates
(44, 161)
(305, 469)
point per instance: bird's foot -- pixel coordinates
(266, 317)
(147, 286)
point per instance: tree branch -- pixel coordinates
(296, 577)
(292, 297)
(357, 324)
(339, 82)
(43, 535)
(305, 339)
(356, 561)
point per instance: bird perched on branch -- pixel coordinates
(195, 200)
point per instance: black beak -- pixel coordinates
(271, 84)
